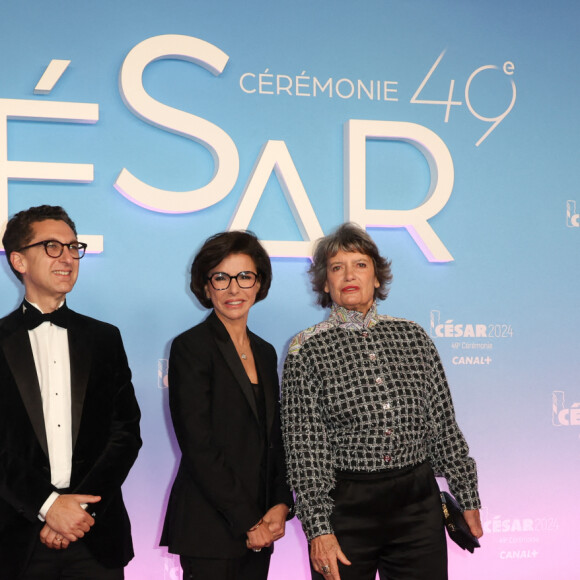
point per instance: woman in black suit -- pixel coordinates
(230, 500)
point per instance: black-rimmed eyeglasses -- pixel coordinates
(54, 248)
(222, 281)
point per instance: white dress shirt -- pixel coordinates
(52, 361)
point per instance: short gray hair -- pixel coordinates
(349, 237)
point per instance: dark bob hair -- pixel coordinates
(19, 228)
(348, 237)
(217, 248)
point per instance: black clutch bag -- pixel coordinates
(456, 525)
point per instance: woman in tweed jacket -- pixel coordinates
(367, 420)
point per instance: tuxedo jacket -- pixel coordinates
(218, 494)
(105, 438)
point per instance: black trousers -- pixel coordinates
(390, 523)
(74, 563)
(253, 566)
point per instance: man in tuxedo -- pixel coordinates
(69, 419)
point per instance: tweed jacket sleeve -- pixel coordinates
(308, 449)
(447, 449)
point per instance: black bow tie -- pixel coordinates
(33, 317)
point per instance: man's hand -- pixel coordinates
(52, 539)
(67, 518)
(325, 553)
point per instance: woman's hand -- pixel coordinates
(325, 553)
(474, 522)
(275, 518)
(259, 537)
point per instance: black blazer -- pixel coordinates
(105, 436)
(215, 498)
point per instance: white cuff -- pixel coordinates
(47, 505)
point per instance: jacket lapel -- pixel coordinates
(20, 359)
(228, 351)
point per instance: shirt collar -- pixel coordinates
(26, 303)
(351, 319)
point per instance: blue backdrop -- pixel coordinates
(491, 85)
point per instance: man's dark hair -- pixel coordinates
(19, 228)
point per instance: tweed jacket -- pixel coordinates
(367, 393)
